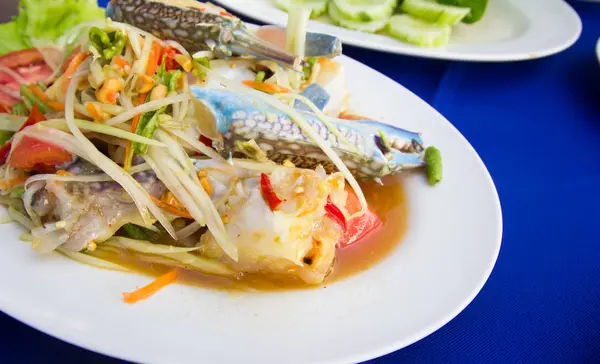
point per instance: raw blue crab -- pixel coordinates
(370, 150)
(199, 26)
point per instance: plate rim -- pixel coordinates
(432, 53)
(80, 341)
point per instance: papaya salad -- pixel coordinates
(184, 141)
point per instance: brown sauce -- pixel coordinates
(388, 202)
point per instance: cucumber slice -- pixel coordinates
(419, 32)
(317, 7)
(434, 12)
(365, 10)
(368, 27)
(477, 8)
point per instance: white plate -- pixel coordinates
(510, 30)
(449, 250)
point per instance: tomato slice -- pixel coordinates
(35, 116)
(358, 227)
(34, 154)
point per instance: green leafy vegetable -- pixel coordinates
(433, 158)
(140, 233)
(146, 128)
(45, 20)
(10, 40)
(477, 8)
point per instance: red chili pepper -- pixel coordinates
(35, 116)
(170, 62)
(266, 189)
(334, 213)
(206, 141)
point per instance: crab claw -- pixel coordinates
(203, 26)
(368, 148)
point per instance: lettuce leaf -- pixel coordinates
(43, 20)
(9, 38)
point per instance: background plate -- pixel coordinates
(450, 248)
(510, 30)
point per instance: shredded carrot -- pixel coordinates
(170, 199)
(134, 124)
(155, 54)
(352, 117)
(91, 108)
(172, 209)
(150, 289)
(266, 87)
(62, 173)
(121, 61)
(8, 184)
(73, 65)
(37, 91)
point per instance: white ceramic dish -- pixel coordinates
(450, 248)
(510, 30)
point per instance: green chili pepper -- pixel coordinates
(260, 76)
(140, 233)
(119, 43)
(433, 158)
(31, 99)
(107, 44)
(99, 39)
(17, 192)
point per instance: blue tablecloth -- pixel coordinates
(536, 125)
